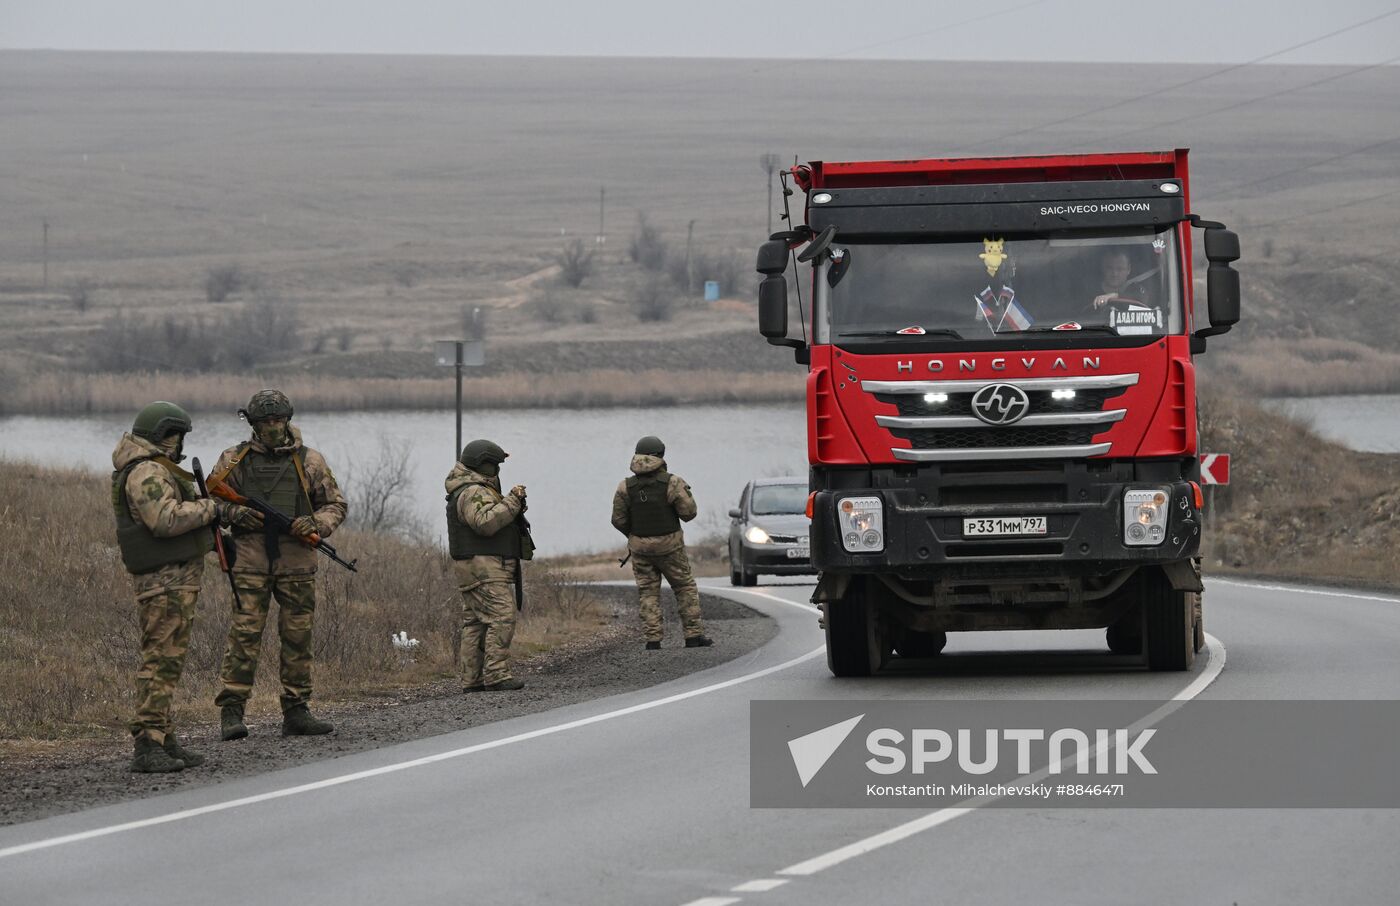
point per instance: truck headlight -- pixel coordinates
(862, 521)
(1145, 516)
(756, 535)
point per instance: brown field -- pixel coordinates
(69, 644)
(369, 200)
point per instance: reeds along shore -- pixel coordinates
(69, 642)
(74, 393)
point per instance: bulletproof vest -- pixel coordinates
(142, 551)
(276, 480)
(649, 513)
(464, 542)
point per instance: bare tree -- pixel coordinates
(379, 491)
(654, 299)
(575, 264)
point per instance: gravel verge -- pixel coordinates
(95, 772)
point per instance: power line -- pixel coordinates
(1254, 100)
(1327, 210)
(1319, 163)
(1193, 81)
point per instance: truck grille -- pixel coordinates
(948, 430)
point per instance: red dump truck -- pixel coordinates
(1001, 397)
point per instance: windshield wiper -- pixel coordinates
(935, 332)
(1093, 328)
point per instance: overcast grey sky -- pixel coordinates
(1075, 30)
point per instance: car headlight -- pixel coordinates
(756, 535)
(1145, 516)
(862, 521)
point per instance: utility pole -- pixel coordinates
(769, 163)
(689, 274)
(46, 254)
(602, 197)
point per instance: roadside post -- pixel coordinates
(460, 354)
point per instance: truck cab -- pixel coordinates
(1001, 397)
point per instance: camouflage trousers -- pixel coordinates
(165, 608)
(488, 624)
(675, 566)
(296, 607)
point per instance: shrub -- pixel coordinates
(80, 293)
(647, 248)
(654, 300)
(575, 263)
(224, 280)
(547, 305)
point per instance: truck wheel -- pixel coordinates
(749, 579)
(734, 577)
(1124, 635)
(1198, 640)
(1170, 624)
(853, 640)
(921, 644)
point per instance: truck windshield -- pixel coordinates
(1121, 283)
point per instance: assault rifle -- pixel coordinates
(527, 544)
(224, 563)
(276, 523)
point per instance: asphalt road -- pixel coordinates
(643, 797)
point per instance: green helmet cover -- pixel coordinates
(267, 404)
(160, 419)
(481, 451)
(651, 445)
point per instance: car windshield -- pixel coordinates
(1120, 283)
(779, 499)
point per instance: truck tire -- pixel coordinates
(748, 579)
(1124, 635)
(853, 639)
(920, 644)
(734, 577)
(1199, 633)
(1170, 624)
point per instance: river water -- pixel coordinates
(570, 460)
(1368, 422)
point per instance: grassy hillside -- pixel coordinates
(348, 210)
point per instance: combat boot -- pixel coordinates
(299, 722)
(150, 758)
(699, 641)
(231, 722)
(175, 750)
(505, 685)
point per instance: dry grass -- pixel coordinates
(1311, 366)
(69, 642)
(59, 393)
(1299, 506)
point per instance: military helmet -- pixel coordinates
(159, 420)
(267, 404)
(480, 451)
(651, 445)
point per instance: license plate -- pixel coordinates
(799, 553)
(1004, 525)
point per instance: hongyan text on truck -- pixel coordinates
(1001, 397)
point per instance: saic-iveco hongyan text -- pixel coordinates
(1001, 397)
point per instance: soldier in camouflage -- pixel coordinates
(293, 478)
(649, 508)
(487, 543)
(163, 534)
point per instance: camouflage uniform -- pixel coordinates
(661, 555)
(166, 597)
(485, 581)
(290, 579)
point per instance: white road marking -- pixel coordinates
(714, 901)
(760, 886)
(425, 760)
(1303, 589)
(944, 815)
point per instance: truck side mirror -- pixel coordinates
(772, 307)
(735, 513)
(772, 257)
(1222, 281)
